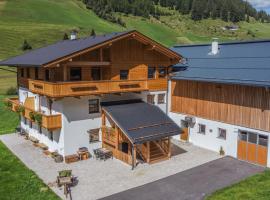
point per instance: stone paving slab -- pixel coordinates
(98, 179)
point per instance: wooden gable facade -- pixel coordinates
(241, 105)
(115, 66)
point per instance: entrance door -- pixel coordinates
(252, 147)
(184, 126)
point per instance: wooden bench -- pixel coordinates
(34, 140)
(71, 158)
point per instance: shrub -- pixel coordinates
(65, 37)
(8, 105)
(11, 91)
(26, 46)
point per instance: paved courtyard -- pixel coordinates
(98, 179)
(193, 184)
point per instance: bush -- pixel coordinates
(8, 105)
(26, 46)
(11, 91)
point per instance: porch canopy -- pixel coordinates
(141, 122)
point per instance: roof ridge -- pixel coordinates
(224, 43)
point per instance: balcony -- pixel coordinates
(84, 88)
(81, 88)
(50, 122)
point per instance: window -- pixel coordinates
(124, 74)
(243, 136)
(22, 72)
(151, 99)
(202, 129)
(51, 135)
(222, 133)
(96, 74)
(162, 72)
(161, 98)
(75, 74)
(263, 140)
(27, 72)
(36, 73)
(151, 72)
(93, 106)
(93, 135)
(252, 138)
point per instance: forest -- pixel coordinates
(227, 10)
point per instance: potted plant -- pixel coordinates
(221, 151)
(20, 109)
(38, 118)
(32, 116)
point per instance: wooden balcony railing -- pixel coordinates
(50, 122)
(62, 89)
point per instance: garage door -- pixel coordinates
(252, 147)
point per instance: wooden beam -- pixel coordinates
(65, 72)
(148, 152)
(101, 55)
(103, 118)
(85, 63)
(169, 147)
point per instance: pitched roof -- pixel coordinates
(140, 127)
(246, 63)
(42, 56)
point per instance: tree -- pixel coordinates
(65, 37)
(93, 33)
(26, 46)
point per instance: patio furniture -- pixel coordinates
(57, 157)
(71, 158)
(103, 154)
(32, 139)
(83, 153)
(65, 179)
(43, 146)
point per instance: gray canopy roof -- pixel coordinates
(142, 122)
(246, 63)
(44, 55)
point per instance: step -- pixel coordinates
(156, 160)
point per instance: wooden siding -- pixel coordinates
(234, 104)
(127, 54)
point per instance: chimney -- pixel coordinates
(73, 35)
(215, 47)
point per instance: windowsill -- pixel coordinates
(201, 133)
(222, 138)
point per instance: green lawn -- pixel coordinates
(8, 120)
(254, 188)
(18, 182)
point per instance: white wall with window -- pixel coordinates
(217, 134)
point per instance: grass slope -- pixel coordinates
(18, 182)
(254, 188)
(8, 120)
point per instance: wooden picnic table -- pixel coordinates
(104, 153)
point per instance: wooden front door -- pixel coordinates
(252, 147)
(184, 135)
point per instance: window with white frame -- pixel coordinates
(151, 99)
(202, 129)
(222, 133)
(161, 98)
